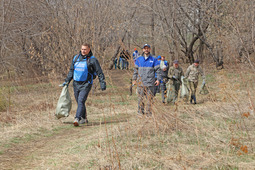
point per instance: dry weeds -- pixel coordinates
(217, 133)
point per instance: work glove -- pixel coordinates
(64, 84)
(165, 80)
(103, 85)
(203, 82)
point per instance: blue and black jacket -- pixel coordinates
(93, 66)
(145, 69)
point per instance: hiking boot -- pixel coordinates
(76, 122)
(191, 98)
(83, 121)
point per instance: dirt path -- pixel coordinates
(31, 154)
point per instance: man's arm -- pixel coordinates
(187, 72)
(201, 73)
(97, 68)
(135, 74)
(182, 73)
(70, 73)
(157, 69)
(171, 73)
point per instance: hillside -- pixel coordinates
(217, 133)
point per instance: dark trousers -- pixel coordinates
(81, 96)
(163, 90)
(156, 89)
(177, 85)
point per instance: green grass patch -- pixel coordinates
(33, 136)
(3, 100)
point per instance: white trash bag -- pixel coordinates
(184, 88)
(64, 104)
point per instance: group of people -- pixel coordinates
(149, 73)
(153, 73)
(123, 61)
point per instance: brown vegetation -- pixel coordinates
(38, 39)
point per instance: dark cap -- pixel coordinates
(146, 45)
(196, 61)
(176, 62)
(159, 57)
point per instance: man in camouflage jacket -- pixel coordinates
(175, 74)
(192, 74)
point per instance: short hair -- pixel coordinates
(86, 44)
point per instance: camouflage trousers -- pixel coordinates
(193, 87)
(145, 96)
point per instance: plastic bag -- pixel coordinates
(184, 88)
(64, 104)
(204, 90)
(171, 96)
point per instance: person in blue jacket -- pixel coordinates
(157, 88)
(135, 54)
(164, 67)
(83, 69)
(146, 66)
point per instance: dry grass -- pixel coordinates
(217, 133)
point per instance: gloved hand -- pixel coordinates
(203, 82)
(165, 80)
(103, 85)
(64, 84)
(174, 77)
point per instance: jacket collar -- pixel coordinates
(147, 57)
(86, 56)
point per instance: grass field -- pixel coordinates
(217, 133)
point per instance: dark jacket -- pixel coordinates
(93, 66)
(164, 73)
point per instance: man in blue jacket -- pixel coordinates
(83, 70)
(144, 76)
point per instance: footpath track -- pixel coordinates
(23, 154)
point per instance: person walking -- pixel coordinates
(135, 54)
(144, 76)
(83, 70)
(175, 74)
(164, 66)
(192, 74)
(157, 88)
(115, 63)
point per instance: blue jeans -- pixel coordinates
(81, 97)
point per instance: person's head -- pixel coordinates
(85, 49)
(159, 57)
(176, 63)
(196, 63)
(146, 49)
(163, 58)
